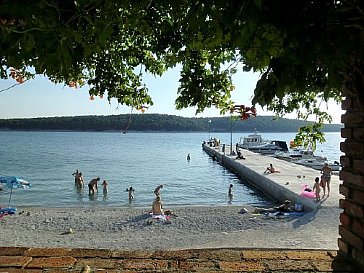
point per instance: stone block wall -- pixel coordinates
(351, 229)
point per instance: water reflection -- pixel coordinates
(92, 197)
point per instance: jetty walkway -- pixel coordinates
(287, 184)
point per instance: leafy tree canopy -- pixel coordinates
(306, 51)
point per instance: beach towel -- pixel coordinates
(160, 216)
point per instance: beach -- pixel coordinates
(191, 227)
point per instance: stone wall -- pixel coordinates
(351, 229)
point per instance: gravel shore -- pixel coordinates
(189, 228)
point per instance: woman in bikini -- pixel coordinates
(326, 172)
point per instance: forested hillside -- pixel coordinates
(157, 122)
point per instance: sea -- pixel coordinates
(48, 159)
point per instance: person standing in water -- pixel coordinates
(131, 193)
(104, 187)
(230, 192)
(92, 186)
(188, 157)
(157, 190)
(76, 175)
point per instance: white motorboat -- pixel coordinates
(257, 144)
(318, 164)
(252, 140)
(270, 148)
(298, 154)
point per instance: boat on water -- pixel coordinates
(252, 140)
(270, 148)
(255, 143)
(298, 154)
(318, 164)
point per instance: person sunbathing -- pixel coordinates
(285, 207)
(271, 169)
(157, 206)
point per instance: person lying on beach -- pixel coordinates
(271, 169)
(92, 186)
(157, 190)
(285, 207)
(157, 206)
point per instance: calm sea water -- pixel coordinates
(140, 160)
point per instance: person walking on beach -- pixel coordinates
(326, 172)
(131, 193)
(316, 188)
(157, 190)
(230, 192)
(92, 186)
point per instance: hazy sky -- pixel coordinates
(42, 98)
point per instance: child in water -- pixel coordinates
(104, 186)
(230, 192)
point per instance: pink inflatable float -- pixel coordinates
(307, 192)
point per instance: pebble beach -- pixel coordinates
(190, 227)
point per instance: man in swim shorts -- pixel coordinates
(92, 186)
(157, 190)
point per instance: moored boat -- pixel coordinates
(257, 144)
(270, 148)
(298, 154)
(318, 164)
(252, 140)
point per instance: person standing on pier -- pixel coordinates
(326, 172)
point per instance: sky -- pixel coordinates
(41, 98)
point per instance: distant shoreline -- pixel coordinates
(145, 131)
(159, 123)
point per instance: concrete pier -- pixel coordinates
(287, 184)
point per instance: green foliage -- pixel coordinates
(306, 51)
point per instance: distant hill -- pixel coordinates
(157, 122)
